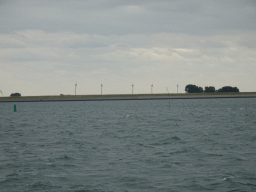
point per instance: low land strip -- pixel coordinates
(128, 97)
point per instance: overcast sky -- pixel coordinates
(48, 46)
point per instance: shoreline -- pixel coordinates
(122, 97)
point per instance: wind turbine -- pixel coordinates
(167, 90)
(169, 95)
(177, 87)
(75, 88)
(2, 93)
(101, 87)
(132, 88)
(152, 88)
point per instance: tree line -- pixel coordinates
(210, 89)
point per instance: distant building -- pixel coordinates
(15, 95)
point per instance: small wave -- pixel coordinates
(159, 153)
(176, 138)
(176, 163)
(147, 146)
(196, 186)
(44, 186)
(167, 141)
(179, 151)
(12, 175)
(69, 165)
(166, 166)
(229, 178)
(65, 157)
(207, 154)
(41, 185)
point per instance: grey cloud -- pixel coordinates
(24, 57)
(11, 44)
(248, 41)
(249, 44)
(122, 17)
(85, 44)
(211, 44)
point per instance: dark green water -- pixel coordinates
(189, 145)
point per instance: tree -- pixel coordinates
(15, 95)
(228, 89)
(209, 89)
(193, 89)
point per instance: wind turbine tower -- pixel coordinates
(152, 88)
(75, 88)
(132, 88)
(101, 87)
(177, 87)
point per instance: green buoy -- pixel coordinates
(15, 108)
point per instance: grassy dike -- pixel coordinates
(126, 96)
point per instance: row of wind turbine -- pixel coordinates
(101, 85)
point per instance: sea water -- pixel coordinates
(138, 145)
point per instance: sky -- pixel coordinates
(46, 47)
